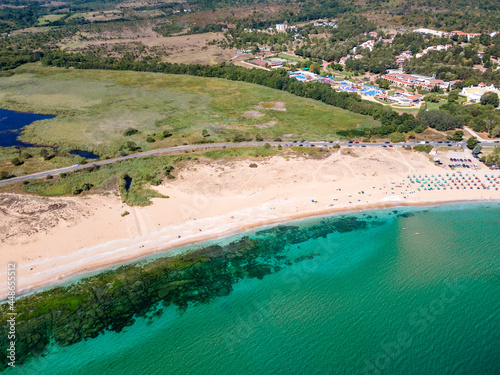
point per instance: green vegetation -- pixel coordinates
(490, 98)
(492, 158)
(472, 142)
(102, 111)
(422, 148)
(143, 173)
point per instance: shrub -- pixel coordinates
(166, 134)
(253, 165)
(5, 175)
(16, 161)
(125, 213)
(422, 148)
(130, 131)
(150, 139)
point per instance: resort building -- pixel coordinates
(474, 93)
(430, 32)
(415, 80)
(468, 35)
(281, 27)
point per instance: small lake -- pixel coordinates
(12, 123)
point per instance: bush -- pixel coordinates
(253, 165)
(16, 161)
(130, 131)
(5, 175)
(422, 148)
(125, 213)
(396, 137)
(239, 138)
(87, 186)
(166, 134)
(150, 139)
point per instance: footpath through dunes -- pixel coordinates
(210, 199)
(96, 109)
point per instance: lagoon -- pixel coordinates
(12, 123)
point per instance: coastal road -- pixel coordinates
(206, 146)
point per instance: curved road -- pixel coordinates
(181, 149)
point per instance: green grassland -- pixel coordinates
(144, 172)
(94, 108)
(49, 18)
(291, 57)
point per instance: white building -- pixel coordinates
(431, 32)
(474, 93)
(281, 27)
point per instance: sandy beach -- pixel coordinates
(53, 239)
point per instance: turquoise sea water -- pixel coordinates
(381, 300)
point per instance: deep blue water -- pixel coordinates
(12, 123)
(84, 154)
(128, 182)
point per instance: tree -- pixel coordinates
(204, 133)
(44, 154)
(452, 97)
(458, 135)
(472, 142)
(315, 68)
(490, 98)
(437, 119)
(477, 149)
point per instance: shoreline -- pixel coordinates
(88, 271)
(54, 240)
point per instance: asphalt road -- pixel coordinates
(181, 149)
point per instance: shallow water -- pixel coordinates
(11, 124)
(379, 300)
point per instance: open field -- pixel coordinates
(49, 18)
(291, 57)
(96, 107)
(187, 49)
